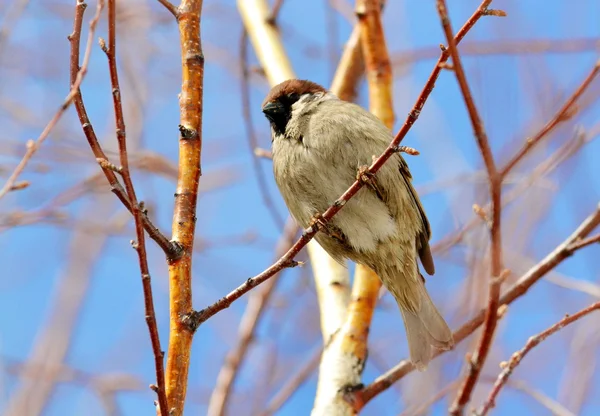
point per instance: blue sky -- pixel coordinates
(515, 94)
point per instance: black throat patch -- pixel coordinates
(281, 111)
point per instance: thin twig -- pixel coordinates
(564, 113)
(254, 311)
(140, 244)
(518, 289)
(33, 146)
(495, 184)
(186, 199)
(170, 7)
(584, 242)
(516, 358)
(171, 250)
(198, 317)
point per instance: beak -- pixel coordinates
(272, 110)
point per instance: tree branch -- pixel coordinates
(266, 38)
(186, 198)
(495, 184)
(516, 358)
(170, 7)
(518, 289)
(140, 244)
(171, 250)
(564, 113)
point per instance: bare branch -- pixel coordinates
(76, 79)
(518, 289)
(267, 39)
(564, 113)
(516, 358)
(140, 244)
(186, 198)
(495, 184)
(170, 7)
(171, 250)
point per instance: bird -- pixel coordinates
(320, 146)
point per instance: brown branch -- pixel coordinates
(564, 113)
(251, 134)
(495, 180)
(518, 289)
(186, 198)
(171, 250)
(516, 358)
(140, 244)
(76, 79)
(287, 260)
(250, 320)
(170, 7)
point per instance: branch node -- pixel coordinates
(187, 133)
(494, 12)
(176, 251)
(20, 185)
(406, 149)
(446, 65)
(105, 164)
(192, 320)
(103, 46)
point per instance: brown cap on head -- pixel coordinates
(293, 86)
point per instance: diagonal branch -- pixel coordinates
(264, 38)
(518, 356)
(564, 113)
(171, 250)
(495, 180)
(562, 252)
(170, 7)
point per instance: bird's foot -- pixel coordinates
(364, 175)
(369, 179)
(319, 223)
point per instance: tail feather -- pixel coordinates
(425, 327)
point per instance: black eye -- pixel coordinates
(292, 98)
